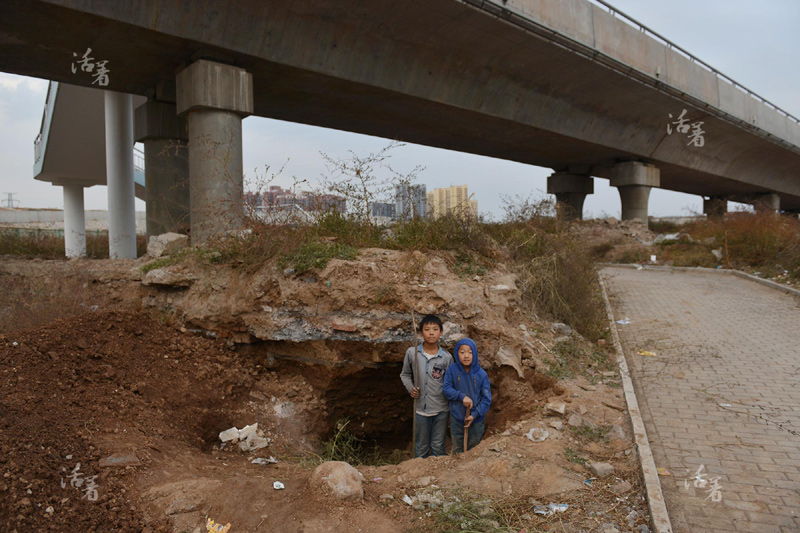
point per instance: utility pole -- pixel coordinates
(10, 199)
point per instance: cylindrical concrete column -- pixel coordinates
(767, 203)
(215, 98)
(166, 167)
(119, 175)
(74, 221)
(570, 191)
(216, 173)
(634, 181)
(715, 207)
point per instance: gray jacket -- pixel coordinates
(431, 374)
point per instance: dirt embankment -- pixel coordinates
(138, 396)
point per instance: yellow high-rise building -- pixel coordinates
(454, 200)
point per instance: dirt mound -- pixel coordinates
(88, 387)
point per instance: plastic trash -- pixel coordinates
(645, 353)
(550, 508)
(537, 434)
(407, 499)
(625, 321)
(652, 259)
(278, 485)
(264, 461)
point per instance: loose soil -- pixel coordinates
(137, 397)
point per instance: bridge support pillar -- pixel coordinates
(119, 176)
(215, 98)
(634, 181)
(570, 191)
(166, 166)
(715, 207)
(767, 203)
(74, 221)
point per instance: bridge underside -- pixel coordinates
(438, 73)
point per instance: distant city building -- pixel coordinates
(454, 200)
(381, 209)
(276, 196)
(410, 201)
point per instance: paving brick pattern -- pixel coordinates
(721, 396)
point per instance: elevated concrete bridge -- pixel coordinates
(563, 84)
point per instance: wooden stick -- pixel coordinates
(415, 381)
(466, 431)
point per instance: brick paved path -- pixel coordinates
(722, 394)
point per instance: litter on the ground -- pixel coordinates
(645, 353)
(249, 437)
(550, 508)
(408, 500)
(537, 434)
(264, 461)
(624, 321)
(589, 481)
(725, 405)
(652, 259)
(214, 527)
(663, 472)
(376, 479)
(278, 485)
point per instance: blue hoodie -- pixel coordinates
(459, 383)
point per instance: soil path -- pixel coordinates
(721, 396)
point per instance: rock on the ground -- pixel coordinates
(617, 433)
(341, 479)
(120, 460)
(557, 425)
(601, 469)
(166, 244)
(510, 357)
(559, 328)
(167, 278)
(575, 421)
(622, 487)
(555, 409)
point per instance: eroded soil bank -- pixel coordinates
(138, 378)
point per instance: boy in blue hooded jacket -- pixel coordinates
(466, 386)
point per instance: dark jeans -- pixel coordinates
(431, 432)
(457, 434)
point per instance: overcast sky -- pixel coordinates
(756, 44)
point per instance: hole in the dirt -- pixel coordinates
(209, 427)
(375, 403)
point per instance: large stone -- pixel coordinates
(511, 357)
(166, 244)
(341, 479)
(559, 328)
(555, 409)
(601, 469)
(575, 421)
(167, 278)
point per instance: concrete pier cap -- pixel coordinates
(164, 136)
(215, 98)
(570, 191)
(634, 180)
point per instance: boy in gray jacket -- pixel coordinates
(427, 362)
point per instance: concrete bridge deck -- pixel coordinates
(720, 399)
(556, 83)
